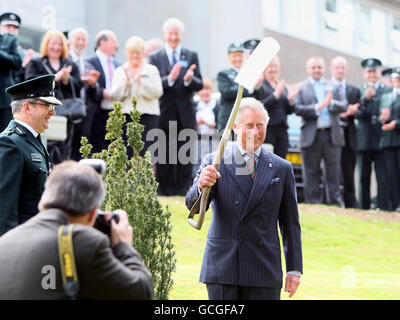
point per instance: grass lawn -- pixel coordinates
(347, 254)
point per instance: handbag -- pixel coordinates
(73, 108)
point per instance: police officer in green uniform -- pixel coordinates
(9, 60)
(387, 76)
(24, 161)
(369, 134)
(390, 137)
(229, 88)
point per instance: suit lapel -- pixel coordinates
(261, 181)
(32, 140)
(184, 55)
(235, 165)
(348, 92)
(165, 61)
(97, 65)
(309, 88)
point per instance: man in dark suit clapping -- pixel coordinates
(180, 74)
(352, 94)
(98, 95)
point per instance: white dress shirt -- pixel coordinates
(78, 60)
(104, 64)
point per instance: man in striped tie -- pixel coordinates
(252, 192)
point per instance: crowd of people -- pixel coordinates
(345, 126)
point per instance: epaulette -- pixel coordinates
(14, 129)
(7, 131)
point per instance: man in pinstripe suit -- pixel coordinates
(253, 191)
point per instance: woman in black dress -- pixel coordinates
(279, 103)
(53, 60)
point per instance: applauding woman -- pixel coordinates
(136, 78)
(53, 60)
(279, 103)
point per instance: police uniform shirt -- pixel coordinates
(27, 126)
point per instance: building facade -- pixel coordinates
(356, 29)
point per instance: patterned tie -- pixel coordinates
(251, 164)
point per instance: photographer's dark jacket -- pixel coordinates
(30, 267)
(24, 167)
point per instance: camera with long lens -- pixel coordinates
(101, 223)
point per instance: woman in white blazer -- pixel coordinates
(136, 78)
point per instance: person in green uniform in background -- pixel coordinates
(229, 88)
(9, 60)
(369, 134)
(390, 137)
(24, 161)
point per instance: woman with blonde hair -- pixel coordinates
(136, 78)
(279, 103)
(54, 60)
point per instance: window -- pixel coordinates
(364, 29)
(30, 38)
(330, 15)
(331, 6)
(395, 34)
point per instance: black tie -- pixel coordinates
(40, 142)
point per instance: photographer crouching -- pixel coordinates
(58, 254)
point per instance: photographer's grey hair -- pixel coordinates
(74, 188)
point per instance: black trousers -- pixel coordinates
(98, 130)
(392, 164)
(175, 176)
(348, 163)
(230, 292)
(365, 161)
(321, 149)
